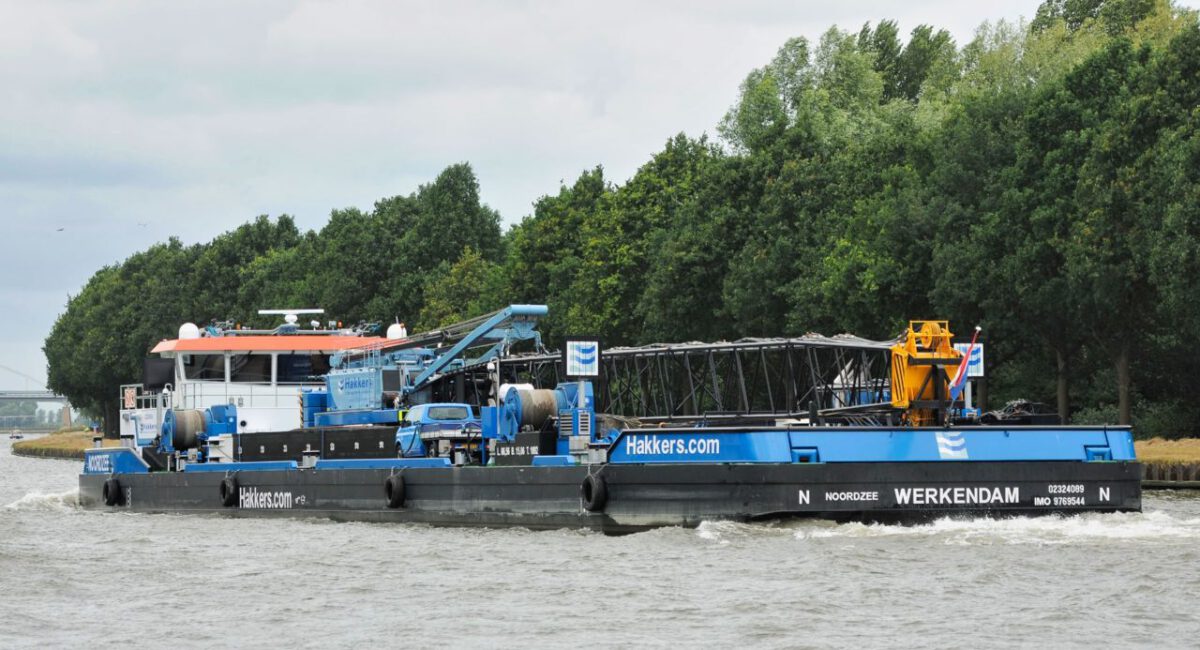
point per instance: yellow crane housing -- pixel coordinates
(920, 382)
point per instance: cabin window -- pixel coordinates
(250, 368)
(300, 368)
(210, 367)
(449, 413)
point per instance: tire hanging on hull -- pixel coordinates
(229, 491)
(112, 492)
(594, 493)
(393, 489)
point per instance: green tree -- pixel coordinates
(545, 250)
(616, 240)
(219, 270)
(470, 287)
(1114, 16)
(98, 343)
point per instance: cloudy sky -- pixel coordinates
(123, 123)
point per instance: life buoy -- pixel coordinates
(393, 489)
(112, 492)
(594, 493)
(229, 491)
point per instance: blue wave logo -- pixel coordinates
(585, 355)
(976, 356)
(951, 445)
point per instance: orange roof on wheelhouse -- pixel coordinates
(264, 343)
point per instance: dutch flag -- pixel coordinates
(960, 377)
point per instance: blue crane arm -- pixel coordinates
(514, 322)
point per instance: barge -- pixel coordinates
(457, 427)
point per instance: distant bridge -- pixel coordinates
(29, 422)
(30, 396)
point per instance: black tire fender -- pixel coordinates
(229, 491)
(594, 492)
(112, 492)
(393, 489)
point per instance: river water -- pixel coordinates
(76, 578)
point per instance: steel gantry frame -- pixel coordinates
(829, 378)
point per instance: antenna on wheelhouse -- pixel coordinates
(291, 317)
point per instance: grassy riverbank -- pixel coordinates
(1185, 450)
(1176, 462)
(64, 443)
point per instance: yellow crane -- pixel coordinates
(920, 381)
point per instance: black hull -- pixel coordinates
(640, 497)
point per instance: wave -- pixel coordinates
(1153, 526)
(724, 532)
(46, 502)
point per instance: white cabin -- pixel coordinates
(260, 374)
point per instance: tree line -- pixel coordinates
(1040, 180)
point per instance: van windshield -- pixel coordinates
(448, 413)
